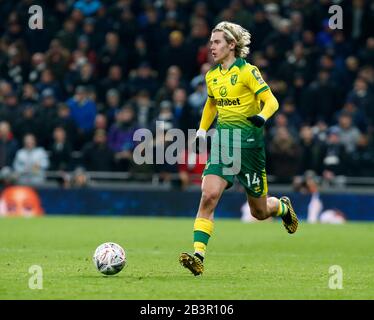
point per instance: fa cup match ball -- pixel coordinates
(109, 258)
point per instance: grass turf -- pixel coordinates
(244, 261)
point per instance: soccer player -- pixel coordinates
(243, 100)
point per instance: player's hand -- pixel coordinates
(199, 144)
(257, 120)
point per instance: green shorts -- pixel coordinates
(248, 165)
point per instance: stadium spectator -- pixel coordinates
(363, 98)
(38, 65)
(366, 54)
(310, 151)
(63, 120)
(84, 77)
(113, 80)
(197, 40)
(68, 35)
(84, 46)
(359, 119)
(165, 92)
(79, 179)
(285, 154)
(28, 122)
(87, 7)
(120, 137)
(30, 162)
(60, 151)
(111, 106)
(5, 90)
(362, 159)
(145, 109)
(127, 27)
(176, 53)
(182, 111)
(143, 78)
(334, 156)
(320, 131)
(57, 59)
(97, 156)
(8, 145)
(289, 110)
(348, 133)
(197, 98)
(328, 99)
(47, 81)
(141, 53)
(29, 94)
(113, 53)
(10, 108)
(83, 112)
(281, 121)
(165, 116)
(101, 122)
(349, 73)
(201, 11)
(15, 68)
(241, 16)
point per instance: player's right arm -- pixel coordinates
(207, 118)
(209, 111)
(209, 114)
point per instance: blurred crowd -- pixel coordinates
(73, 93)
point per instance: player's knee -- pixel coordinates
(209, 197)
(259, 214)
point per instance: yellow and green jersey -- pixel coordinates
(236, 94)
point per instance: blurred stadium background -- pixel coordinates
(73, 93)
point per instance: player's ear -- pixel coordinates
(232, 46)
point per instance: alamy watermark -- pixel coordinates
(36, 279)
(36, 20)
(336, 20)
(168, 145)
(336, 278)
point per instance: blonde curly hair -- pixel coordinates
(236, 33)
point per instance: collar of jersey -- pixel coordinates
(237, 62)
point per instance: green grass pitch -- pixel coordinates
(244, 261)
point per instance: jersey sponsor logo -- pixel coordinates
(223, 91)
(234, 78)
(228, 102)
(258, 77)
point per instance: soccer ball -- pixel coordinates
(109, 258)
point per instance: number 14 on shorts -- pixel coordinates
(254, 180)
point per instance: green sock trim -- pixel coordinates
(200, 236)
(283, 209)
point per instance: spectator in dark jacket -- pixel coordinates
(60, 157)
(8, 145)
(97, 156)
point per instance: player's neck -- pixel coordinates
(227, 63)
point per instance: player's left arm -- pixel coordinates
(270, 106)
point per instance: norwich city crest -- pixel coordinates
(234, 78)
